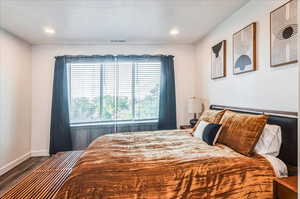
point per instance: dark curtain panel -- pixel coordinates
(60, 137)
(167, 102)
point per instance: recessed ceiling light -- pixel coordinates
(49, 31)
(174, 31)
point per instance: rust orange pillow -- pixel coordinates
(241, 131)
(210, 116)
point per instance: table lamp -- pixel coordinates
(195, 107)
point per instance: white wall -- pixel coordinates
(15, 101)
(42, 77)
(269, 88)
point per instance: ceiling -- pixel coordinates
(100, 21)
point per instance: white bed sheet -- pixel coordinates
(278, 165)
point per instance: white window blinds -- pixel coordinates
(147, 82)
(85, 92)
(114, 91)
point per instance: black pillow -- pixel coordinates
(210, 132)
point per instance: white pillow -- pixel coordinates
(270, 141)
(198, 133)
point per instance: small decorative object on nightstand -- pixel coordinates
(285, 188)
(195, 106)
(186, 127)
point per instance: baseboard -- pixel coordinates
(21, 159)
(39, 153)
(14, 163)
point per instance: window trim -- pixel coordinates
(112, 122)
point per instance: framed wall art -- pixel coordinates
(283, 38)
(218, 60)
(244, 50)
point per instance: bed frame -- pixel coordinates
(288, 121)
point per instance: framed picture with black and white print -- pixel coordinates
(218, 60)
(284, 30)
(244, 50)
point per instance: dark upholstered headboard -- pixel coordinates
(288, 121)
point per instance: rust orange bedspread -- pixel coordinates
(165, 165)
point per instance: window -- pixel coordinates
(114, 91)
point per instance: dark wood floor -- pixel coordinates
(10, 178)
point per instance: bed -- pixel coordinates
(173, 164)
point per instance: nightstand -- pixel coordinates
(285, 188)
(185, 127)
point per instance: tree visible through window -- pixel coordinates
(123, 91)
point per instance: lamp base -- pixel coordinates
(193, 122)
